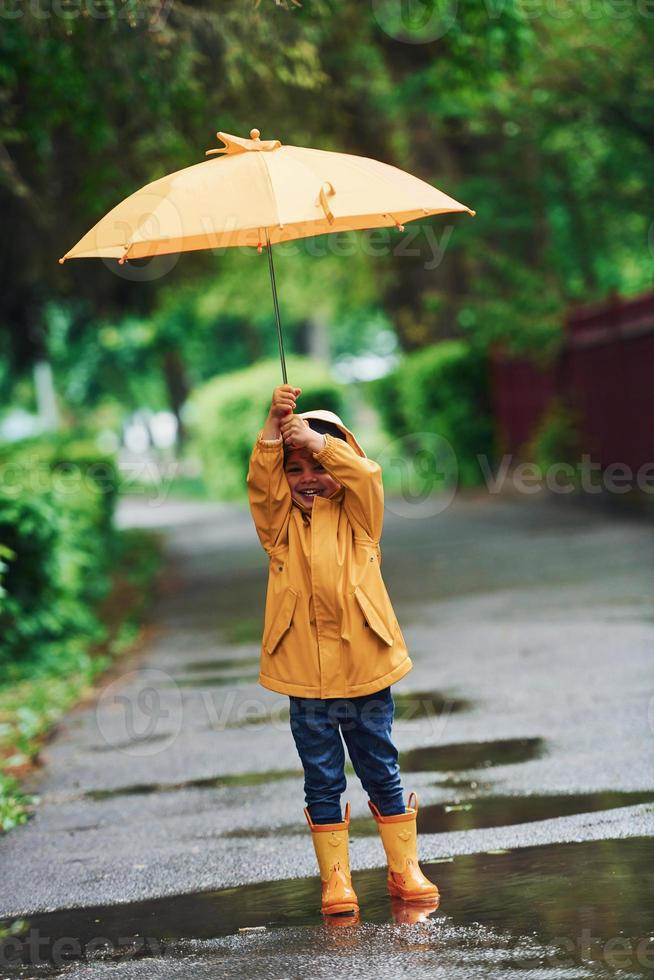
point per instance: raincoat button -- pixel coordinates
(372, 558)
(280, 568)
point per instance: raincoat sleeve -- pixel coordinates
(269, 494)
(362, 481)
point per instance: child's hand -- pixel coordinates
(297, 434)
(283, 401)
(281, 406)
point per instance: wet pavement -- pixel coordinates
(171, 808)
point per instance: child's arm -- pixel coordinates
(361, 477)
(269, 494)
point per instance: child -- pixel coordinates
(331, 640)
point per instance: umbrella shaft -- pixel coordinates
(278, 321)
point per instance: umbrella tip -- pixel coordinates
(62, 260)
(255, 134)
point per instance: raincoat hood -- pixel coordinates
(326, 416)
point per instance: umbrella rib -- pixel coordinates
(261, 158)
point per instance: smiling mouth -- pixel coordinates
(309, 493)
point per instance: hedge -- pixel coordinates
(441, 389)
(57, 500)
(226, 414)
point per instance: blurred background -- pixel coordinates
(523, 335)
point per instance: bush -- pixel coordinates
(555, 438)
(442, 389)
(13, 803)
(226, 414)
(56, 536)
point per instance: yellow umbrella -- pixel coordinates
(258, 193)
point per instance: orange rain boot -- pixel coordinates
(398, 833)
(330, 841)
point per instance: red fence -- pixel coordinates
(604, 371)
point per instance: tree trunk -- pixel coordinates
(46, 399)
(178, 389)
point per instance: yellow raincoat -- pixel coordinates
(329, 629)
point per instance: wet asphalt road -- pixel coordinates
(531, 628)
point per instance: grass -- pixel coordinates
(31, 707)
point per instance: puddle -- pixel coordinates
(225, 663)
(473, 813)
(257, 833)
(428, 704)
(218, 672)
(563, 910)
(471, 755)
(130, 743)
(212, 680)
(210, 782)
(461, 783)
(502, 811)
(482, 812)
(417, 704)
(591, 899)
(259, 714)
(243, 631)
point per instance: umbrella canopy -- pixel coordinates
(259, 192)
(257, 186)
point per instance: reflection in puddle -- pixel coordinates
(564, 910)
(210, 782)
(472, 755)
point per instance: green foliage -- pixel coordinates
(36, 693)
(214, 327)
(134, 91)
(227, 413)
(442, 389)
(56, 507)
(556, 438)
(540, 122)
(13, 803)
(6, 554)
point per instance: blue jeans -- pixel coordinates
(365, 724)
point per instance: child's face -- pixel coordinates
(307, 478)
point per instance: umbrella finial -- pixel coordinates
(237, 144)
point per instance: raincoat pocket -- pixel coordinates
(281, 621)
(373, 617)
